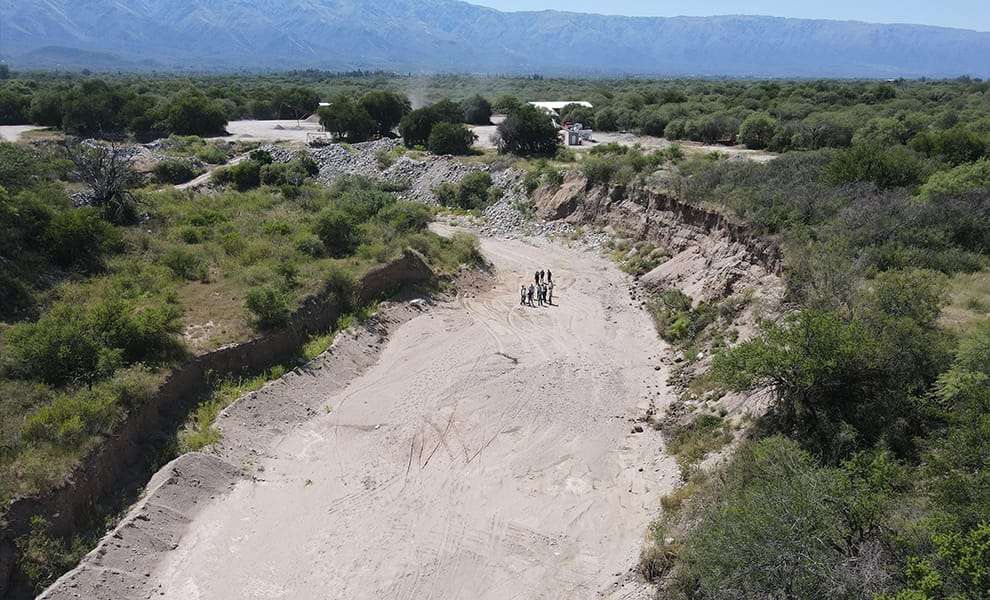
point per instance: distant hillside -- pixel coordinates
(448, 35)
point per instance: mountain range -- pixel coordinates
(454, 36)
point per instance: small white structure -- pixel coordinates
(554, 107)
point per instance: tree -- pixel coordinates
(14, 106)
(386, 108)
(346, 119)
(757, 130)
(107, 172)
(448, 111)
(191, 113)
(294, 102)
(607, 119)
(529, 131)
(653, 122)
(477, 110)
(416, 127)
(93, 108)
(46, 108)
(506, 103)
(449, 138)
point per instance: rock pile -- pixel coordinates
(339, 160)
(423, 176)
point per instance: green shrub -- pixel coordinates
(174, 171)
(471, 193)
(956, 146)
(269, 306)
(757, 130)
(888, 167)
(958, 181)
(690, 444)
(782, 526)
(42, 557)
(528, 131)
(76, 343)
(676, 320)
(450, 138)
(244, 176)
(211, 154)
(338, 231)
(80, 238)
(406, 217)
(74, 417)
(477, 110)
(186, 263)
(279, 174)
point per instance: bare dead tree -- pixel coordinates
(103, 167)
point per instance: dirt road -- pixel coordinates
(489, 454)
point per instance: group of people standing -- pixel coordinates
(541, 290)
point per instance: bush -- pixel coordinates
(244, 176)
(895, 166)
(386, 109)
(528, 131)
(955, 146)
(293, 173)
(347, 119)
(957, 181)
(42, 557)
(472, 193)
(757, 130)
(449, 138)
(80, 238)
(784, 527)
(186, 264)
(338, 231)
(477, 110)
(74, 343)
(269, 306)
(191, 113)
(406, 217)
(212, 154)
(416, 127)
(506, 103)
(174, 171)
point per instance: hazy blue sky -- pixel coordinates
(969, 14)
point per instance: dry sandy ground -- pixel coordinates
(270, 131)
(488, 454)
(12, 133)
(485, 451)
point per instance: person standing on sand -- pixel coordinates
(549, 276)
(522, 295)
(531, 295)
(536, 278)
(550, 292)
(541, 275)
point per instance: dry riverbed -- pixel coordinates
(482, 450)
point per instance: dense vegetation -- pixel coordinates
(777, 115)
(868, 476)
